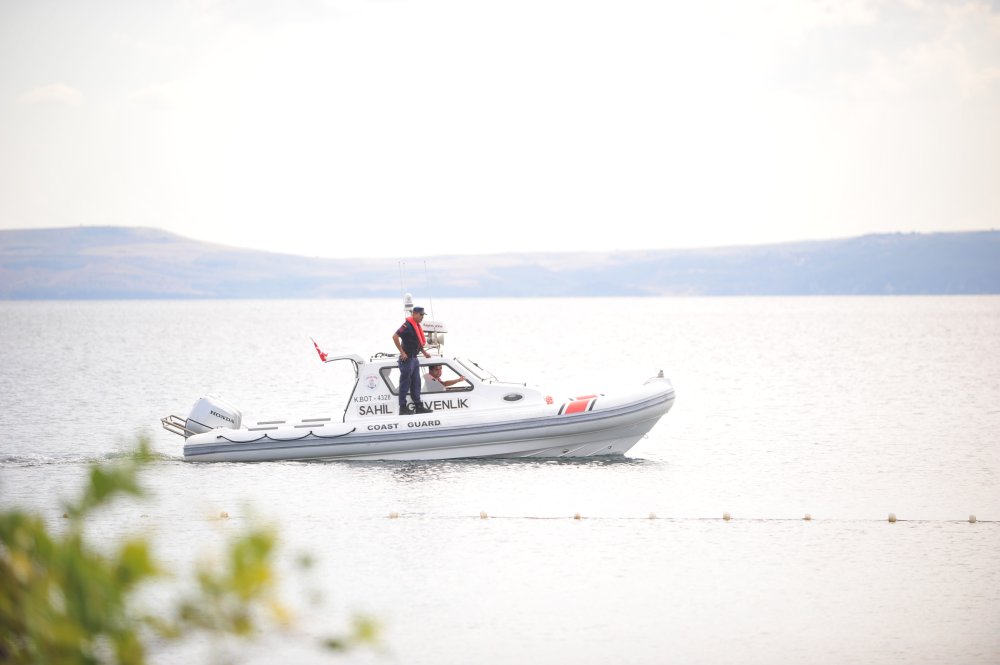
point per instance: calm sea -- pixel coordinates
(845, 409)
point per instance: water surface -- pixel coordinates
(845, 409)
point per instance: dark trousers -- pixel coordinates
(409, 381)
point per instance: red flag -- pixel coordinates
(322, 356)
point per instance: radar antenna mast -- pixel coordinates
(433, 330)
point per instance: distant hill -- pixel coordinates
(125, 262)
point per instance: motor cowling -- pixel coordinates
(211, 412)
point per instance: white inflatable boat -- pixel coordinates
(477, 416)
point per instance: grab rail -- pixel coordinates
(176, 424)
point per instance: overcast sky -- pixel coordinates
(404, 128)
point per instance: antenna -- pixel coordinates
(433, 329)
(430, 299)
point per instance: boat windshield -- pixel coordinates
(482, 374)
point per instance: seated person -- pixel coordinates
(433, 382)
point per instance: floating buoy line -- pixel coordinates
(725, 517)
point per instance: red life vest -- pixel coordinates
(418, 330)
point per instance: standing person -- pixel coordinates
(409, 341)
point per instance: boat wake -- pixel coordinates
(35, 460)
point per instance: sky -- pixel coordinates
(409, 128)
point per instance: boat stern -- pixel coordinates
(208, 413)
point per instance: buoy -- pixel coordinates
(576, 516)
(224, 515)
(483, 515)
(652, 516)
(726, 516)
(892, 517)
(393, 515)
(807, 517)
(972, 519)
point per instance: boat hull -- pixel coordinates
(610, 430)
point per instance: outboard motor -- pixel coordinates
(210, 412)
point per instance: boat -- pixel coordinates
(478, 416)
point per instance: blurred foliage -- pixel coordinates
(64, 600)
